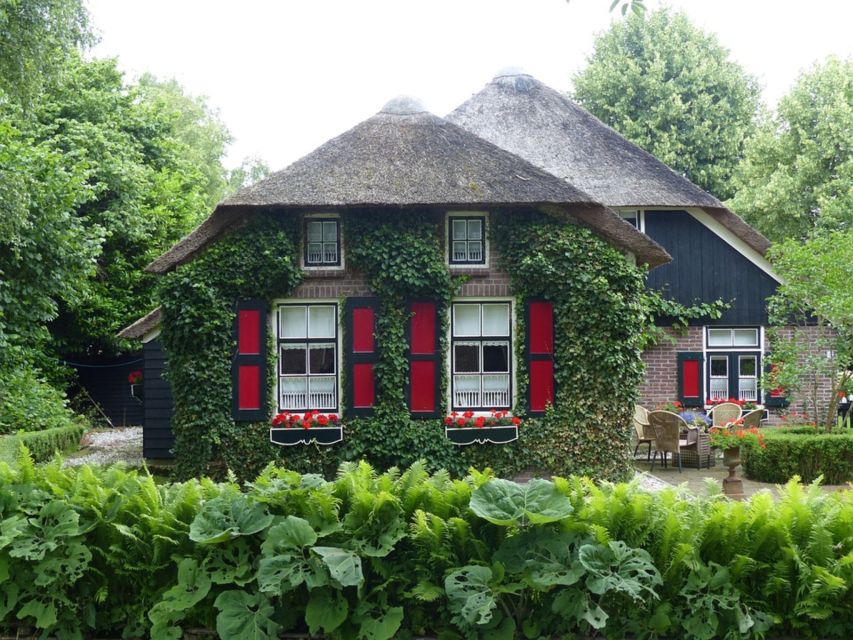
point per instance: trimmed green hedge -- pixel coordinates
(804, 452)
(44, 444)
(93, 551)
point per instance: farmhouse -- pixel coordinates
(426, 283)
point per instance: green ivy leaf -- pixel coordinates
(505, 503)
(245, 616)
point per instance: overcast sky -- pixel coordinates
(286, 76)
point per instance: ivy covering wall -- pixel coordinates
(599, 311)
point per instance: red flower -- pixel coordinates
(308, 415)
(448, 421)
(468, 414)
(480, 422)
(333, 417)
(460, 422)
(453, 414)
(323, 420)
(135, 377)
(516, 420)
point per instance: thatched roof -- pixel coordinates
(404, 157)
(522, 115)
(138, 329)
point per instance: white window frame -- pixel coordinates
(448, 230)
(729, 350)
(639, 214)
(306, 217)
(280, 339)
(449, 364)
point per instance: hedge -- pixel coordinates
(42, 445)
(106, 551)
(803, 452)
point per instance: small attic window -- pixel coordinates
(322, 242)
(467, 239)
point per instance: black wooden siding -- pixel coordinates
(157, 438)
(105, 380)
(707, 268)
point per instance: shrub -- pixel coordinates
(29, 403)
(803, 452)
(90, 551)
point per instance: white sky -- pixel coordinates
(288, 75)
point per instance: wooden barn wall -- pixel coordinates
(105, 380)
(707, 268)
(157, 438)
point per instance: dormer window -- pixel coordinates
(322, 242)
(467, 239)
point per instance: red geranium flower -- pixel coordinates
(333, 417)
(448, 421)
(480, 422)
(516, 420)
(135, 377)
(323, 420)
(460, 422)
(468, 414)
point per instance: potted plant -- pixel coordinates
(498, 427)
(290, 429)
(730, 439)
(134, 378)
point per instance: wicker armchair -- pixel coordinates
(672, 435)
(753, 418)
(724, 413)
(645, 433)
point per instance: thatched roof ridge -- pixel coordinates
(404, 157)
(528, 118)
(138, 329)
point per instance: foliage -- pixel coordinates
(35, 38)
(43, 445)
(664, 310)
(86, 552)
(672, 89)
(816, 297)
(257, 261)
(599, 315)
(803, 452)
(247, 173)
(796, 176)
(734, 435)
(29, 403)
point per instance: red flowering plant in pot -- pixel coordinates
(134, 377)
(496, 427)
(307, 420)
(290, 429)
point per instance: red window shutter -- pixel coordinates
(423, 359)
(361, 354)
(690, 383)
(248, 368)
(540, 355)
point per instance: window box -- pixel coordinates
(496, 428)
(290, 436)
(481, 435)
(290, 429)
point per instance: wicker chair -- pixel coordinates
(753, 418)
(668, 428)
(645, 433)
(724, 413)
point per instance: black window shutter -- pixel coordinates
(362, 355)
(691, 378)
(249, 364)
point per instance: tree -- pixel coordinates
(249, 172)
(797, 175)
(672, 89)
(35, 38)
(816, 295)
(196, 125)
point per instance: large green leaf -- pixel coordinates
(344, 566)
(228, 517)
(469, 595)
(618, 567)
(505, 503)
(326, 610)
(286, 563)
(245, 616)
(379, 624)
(231, 563)
(574, 605)
(193, 586)
(544, 558)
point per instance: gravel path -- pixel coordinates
(107, 447)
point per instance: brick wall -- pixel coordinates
(661, 381)
(486, 282)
